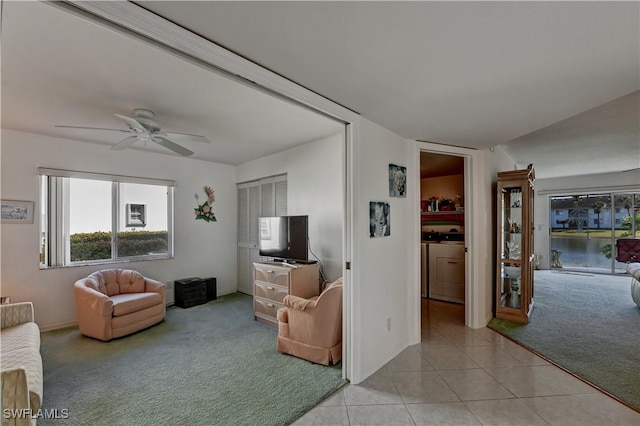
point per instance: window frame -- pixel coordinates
(63, 209)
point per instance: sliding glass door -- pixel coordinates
(627, 222)
(585, 228)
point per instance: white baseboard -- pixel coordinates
(58, 326)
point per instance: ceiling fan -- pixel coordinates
(146, 129)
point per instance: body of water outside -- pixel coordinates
(584, 253)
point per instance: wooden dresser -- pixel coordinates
(273, 281)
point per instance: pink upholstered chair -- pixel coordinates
(312, 328)
(116, 302)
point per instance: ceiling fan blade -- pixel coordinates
(125, 143)
(132, 123)
(91, 128)
(161, 140)
(185, 137)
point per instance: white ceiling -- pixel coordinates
(474, 74)
(601, 140)
(60, 69)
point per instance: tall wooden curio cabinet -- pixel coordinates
(514, 276)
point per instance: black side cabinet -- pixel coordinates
(190, 292)
(194, 291)
(212, 289)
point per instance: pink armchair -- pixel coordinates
(312, 328)
(116, 302)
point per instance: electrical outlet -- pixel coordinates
(388, 324)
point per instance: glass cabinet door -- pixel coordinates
(511, 248)
(514, 273)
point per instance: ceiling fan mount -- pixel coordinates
(145, 117)
(144, 128)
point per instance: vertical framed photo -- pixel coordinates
(397, 181)
(379, 219)
(136, 215)
(16, 211)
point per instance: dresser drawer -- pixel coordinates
(271, 292)
(266, 309)
(272, 275)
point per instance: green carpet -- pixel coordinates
(207, 365)
(587, 324)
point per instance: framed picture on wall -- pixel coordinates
(397, 181)
(136, 215)
(17, 211)
(379, 219)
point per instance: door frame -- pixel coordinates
(476, 285)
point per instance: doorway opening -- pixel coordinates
(442, 227)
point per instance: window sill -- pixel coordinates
(109, 261)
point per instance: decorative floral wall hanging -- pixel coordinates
(203, 211)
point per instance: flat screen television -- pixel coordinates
(284, 238)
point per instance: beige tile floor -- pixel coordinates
(461, 376)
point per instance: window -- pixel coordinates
(94, 218)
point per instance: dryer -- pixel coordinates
(447, 271)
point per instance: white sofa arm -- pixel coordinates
(13, 314)
(634, 270)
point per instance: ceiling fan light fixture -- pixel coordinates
(145, 117)
(144, 128)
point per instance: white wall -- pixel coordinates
(315, 188)
(500, 161)
(604, 182)
(442, 187)
(382, 273)
(385, 274)
(201, 249)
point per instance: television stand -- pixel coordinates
(275, 280)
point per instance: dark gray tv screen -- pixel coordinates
(284, 237)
